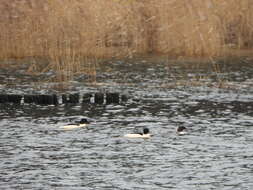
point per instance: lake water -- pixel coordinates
(217, 152)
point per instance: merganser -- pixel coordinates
(181, 130)
(145, 134)
(81, 124)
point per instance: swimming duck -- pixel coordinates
(83, 122)
(144, 134)
(181, 130)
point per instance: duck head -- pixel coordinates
(145, 131)
(84, 121)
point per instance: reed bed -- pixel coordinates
(73, 34)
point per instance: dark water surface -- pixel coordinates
(217, 152)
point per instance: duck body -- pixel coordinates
(72, 126)
(182, 133)
(82, 123)
(137, 135)
(145, 134)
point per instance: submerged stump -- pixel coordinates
(124, 98)
(112, 98)
(41, 99)
(70, 98)
(87, 98)
(10, 98)
(99, 98)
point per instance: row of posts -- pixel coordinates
(97, 98)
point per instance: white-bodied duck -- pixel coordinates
(83, 123)
(144, 134)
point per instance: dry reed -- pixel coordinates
(70, 33)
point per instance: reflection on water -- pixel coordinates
(215, 154)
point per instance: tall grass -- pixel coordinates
(70, 32)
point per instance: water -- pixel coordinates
(215, 154)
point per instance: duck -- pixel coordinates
(144, 134)
(181, 130)
(82, 123)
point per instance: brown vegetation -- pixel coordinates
(70, 32)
